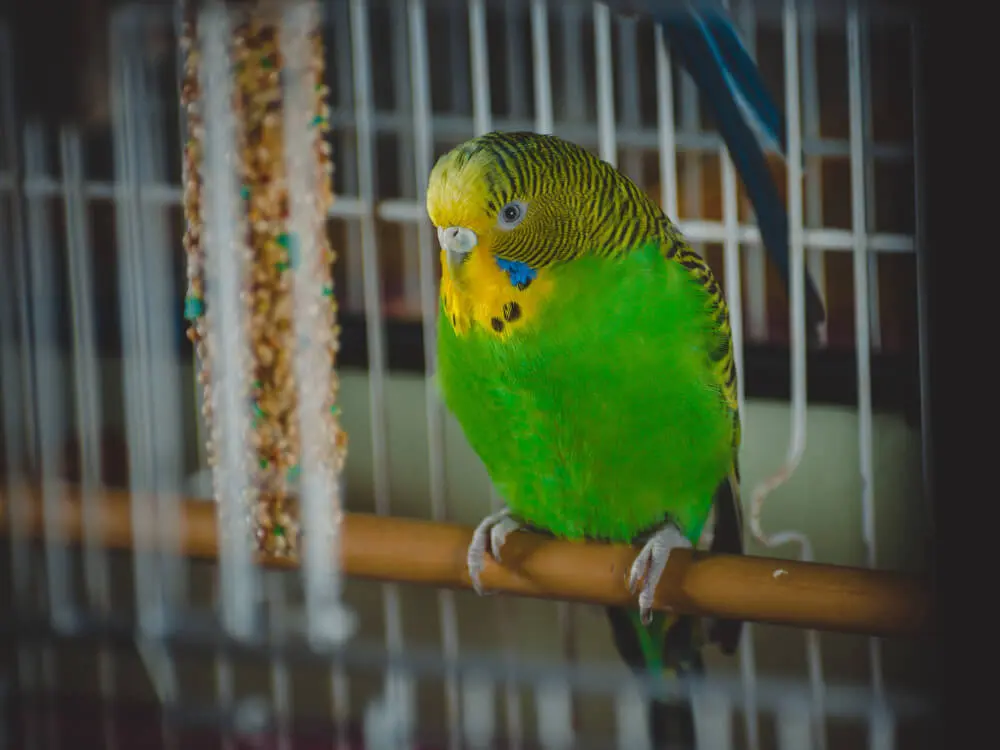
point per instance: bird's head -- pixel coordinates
(518, 197)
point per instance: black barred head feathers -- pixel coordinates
(534, 200)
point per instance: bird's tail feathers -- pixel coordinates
(670, 646)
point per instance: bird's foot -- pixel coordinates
(489, 536)
(650, 564)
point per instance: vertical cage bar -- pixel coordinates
(461, 78)
(328, 621)
(881, 729)
(49, 366)
(632, 718)
(817, 685)
(731, 260)
(748, 677)
(163, 390)
(5, 721)
(158, 661)
(794, 728)
(403, 90)
(19, 235)
(224, 697)
(921, 271)
(815, 261)
(713, 719)
(861, 311)
(227, 259)
(734, 294)
(48, 664)
(756, 305)
(755, 253)
(868, 114)
(389, 721)
(797, 443)
(15, 360)
(516, 79)
(574, 88)
(423, 152)
(541, 65)
(347, 169)
(666, 131)
(554, 709)
(364, 126)
(15, 382)
(26, 685)
(628, 82)
(795, 237)
(340, 708)
(482, 113)
(691, 126)
(396, 683)
(87, 391)
(352, 255)
(733, 291)
(606, 137)
(478, 719)
(278, 633)
(149, 584)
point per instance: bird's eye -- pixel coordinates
(512, 214)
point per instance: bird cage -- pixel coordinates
(235, 511)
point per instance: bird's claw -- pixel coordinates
(489, 536)
(650, 564)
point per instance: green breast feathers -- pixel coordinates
(601, 412)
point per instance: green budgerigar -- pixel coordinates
(585, 350)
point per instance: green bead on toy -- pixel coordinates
(291, 245)
(194, 307)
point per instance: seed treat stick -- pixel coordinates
(280, 248)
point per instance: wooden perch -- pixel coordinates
(785, 592)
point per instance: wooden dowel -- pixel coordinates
(824, 597)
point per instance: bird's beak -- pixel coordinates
(457, 243)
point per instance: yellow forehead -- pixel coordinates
(458, 193)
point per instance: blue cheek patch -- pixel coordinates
(520, 274)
